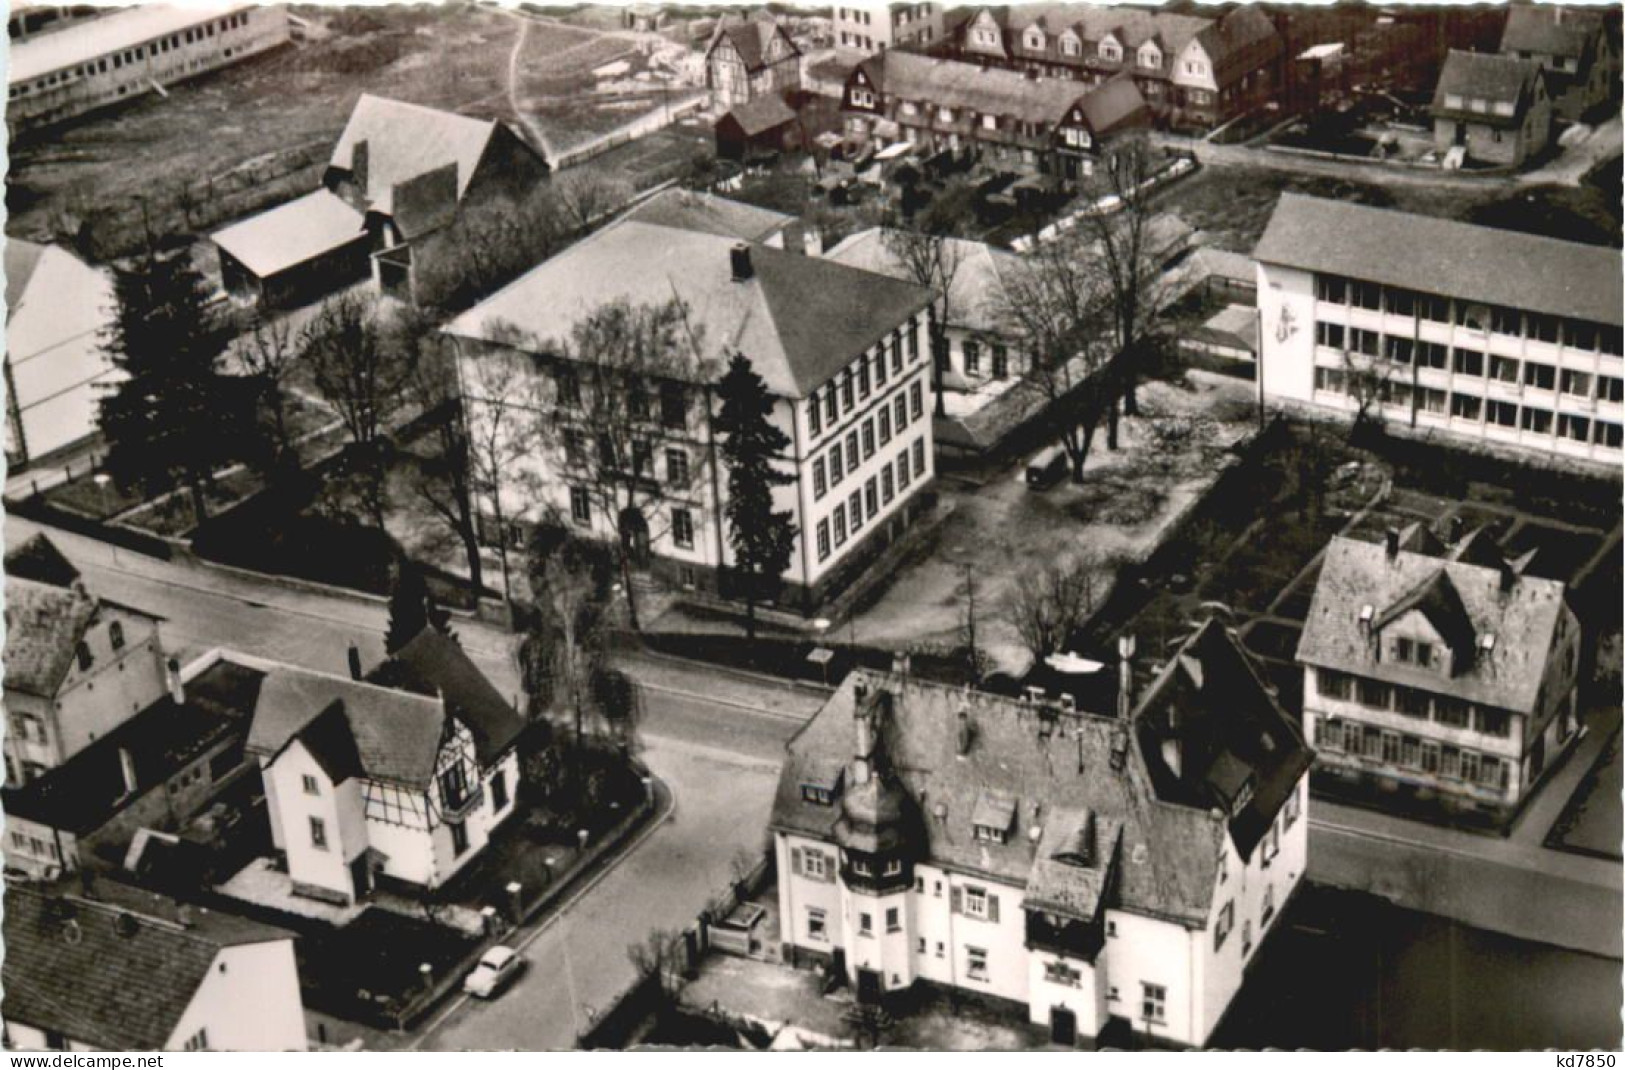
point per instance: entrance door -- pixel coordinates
(868, 986)
(635, 533)
(361, 875)
(1063, 1026)
(1461, 133)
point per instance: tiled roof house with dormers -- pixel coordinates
(1440, 671)
(1089, 872)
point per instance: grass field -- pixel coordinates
(252, 135)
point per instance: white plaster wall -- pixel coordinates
(249, 1001)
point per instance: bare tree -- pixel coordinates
(490, 244)
(270, 352)
(659, 955)
(1369, 382)
(626, 435)
(1050, 603)
(932, 260)
(568, 589)
(355, 365)
(442, 474)
(587, 196)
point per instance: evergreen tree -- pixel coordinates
(175, 418)
(761, 537)
(408, 607)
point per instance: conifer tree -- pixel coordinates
(762, 537)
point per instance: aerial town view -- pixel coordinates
(957, 528)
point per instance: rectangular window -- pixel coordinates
(1466, 406)
(1538, 421)
(868, 439)
(832, 410)
(682, 528)
(915, 401)
(1153, 1002)
(1364, 342)
(1333, 684)
(1001, 362)
(1329, 379)
(1609, 434)
(817, 925)
(1493, 722)
(1431, 400)
(1503, 369)
(1401, 302)
(975, 901)
(318, 833)
(1329, 334)
(1366, 295)
(976, 963)
(863, 375)
(820, 483)
(871, 496)
(893, 923)
(1374, 693)
(836, 471)
(677, 467)
(1469, 362)
(1576, 428)
(1544, 328)
(854, 507)
(973, 358)
(1390, 748)
(866, 923)
(580, 505)
(310, 785)
(499, 790)
(823, 539)
(1502, 413)
(1610, 388)
(919, 457)
(673, 405)
(884, 418)
(839, 517)
(1331, 288)
(1410, 752)
(1451, 711)
(1538, 375)
(849, 399)
(886, 485)
(1492, 772)
(902, 469)
(852, 449)
(1399, 350)
(1576, 384)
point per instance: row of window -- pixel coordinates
(1535, 419)
(829, 470)
(642, 460)
(128, 56)
(682, 518)
(1227, 922)
(843, 394)
(1496, 319)
(673, 399)
(1001, 356)
(35, 847)
(1414, 754)
(1445, 709)
(875, 495)
(1470, 362)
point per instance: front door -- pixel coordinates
(361, 875)
(1461, 133)
(1063, 1026)
(868, 986)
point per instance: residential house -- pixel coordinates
(77, 667)
(841, 351)
(122, 970)
(57, 307)
(411, 171)
(750, 59)
(1501, 339)
(156, 770)
(91, 63)
(762, 127)
(405, 782)
(876, 27)
(295, 252)
(981, 350)
(706, 213)
(1047, 126)
(1443, 672)
(1577, 47)
(1194, 71)
(1494, 108)
(1095, 874)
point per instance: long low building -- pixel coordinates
(93, 63)
(1497, 337)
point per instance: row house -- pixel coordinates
(1577, 48)
(94, 63)
(842, 351)
(1439, 672)
(1094, 874)
(77, 667)
(876, 27)
(1494, 108)
(751, 59)
(114, 968)
(1194, 71)
(157, 770)
(1501, 339)
(1046, 126)
(403, 777)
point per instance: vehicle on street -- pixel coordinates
(496, 970)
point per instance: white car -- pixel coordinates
(497, 967)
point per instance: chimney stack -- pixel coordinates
(1125, 676)
(359, 166)
(1390, 540)
(1455, 529)
(172, 679)
(126, 764)
(1089, 845)
(739, 257)
(1509, 577)
(355, 662)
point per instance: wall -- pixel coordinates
(1150, 950)
(1286, 304)
(119, 683)
(409, 851)
(308, 864)
(37, 849)
(259, 976)
(1086, 999)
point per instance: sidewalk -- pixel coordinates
(776, 697)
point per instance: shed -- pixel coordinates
(758, 127)
(308, 247)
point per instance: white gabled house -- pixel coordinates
(1095, 874)
(364, 781)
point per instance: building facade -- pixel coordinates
(877, 27)
(842, 351)
(364, 781)
(1441, 672)
(77, 667)
(1494, 108)
(1193, 71)
(127, 970)
(1578, 49)
(1087, 872)
(1496, 338)
(92, 63)
(1045, 126)
(749, 60)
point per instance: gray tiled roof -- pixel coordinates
(433, 663)
(405, 141)
(974, 298)
(1550, 30)
(707, 213)
(43, 627)
(1523, 621)
(1487, 77)
(986, 90)
(1439, 256)
(761, 115)
(39, 559)
(799, 319)
(750, 38)
(292, 233)
(120, 985)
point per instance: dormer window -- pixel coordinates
(1453, 100)
(992, 817)
(1110, 51)
(989, 834)
(1070, 46)
(1035, 40)
(945, 114)
(821, 796)
(861, 867)
(1413, 652)
(1150, 58)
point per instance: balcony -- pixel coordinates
(1071, 937)
(455, 807)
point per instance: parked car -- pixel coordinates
(1047, 468)
(496, 970)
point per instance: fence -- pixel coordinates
(648, 124)
(1110, 204)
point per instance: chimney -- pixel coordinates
(963, 736)
(1367, 612)
(172, 680)
(183, 915)
(1090, 848)
(739, 257)
(1390, 542)
(1509, 576)
(863, 726)
(1455, 529)
(355, 662)
(358, 165)
(126, 764)
(1125, 676)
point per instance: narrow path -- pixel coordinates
(549, 153)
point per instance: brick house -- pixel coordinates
(1090, 873)
(1495, 107)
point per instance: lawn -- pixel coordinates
(270, 123)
